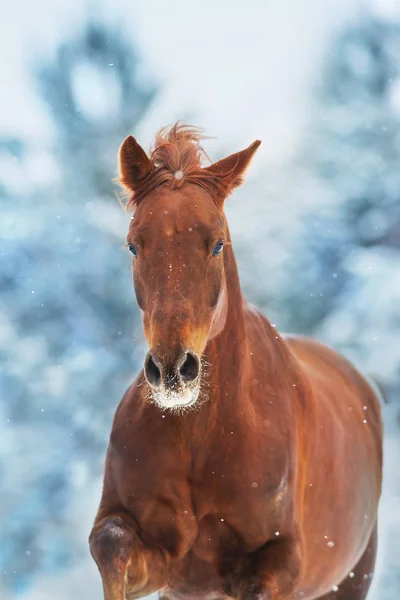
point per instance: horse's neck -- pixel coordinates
(230, 353)
(226, 351)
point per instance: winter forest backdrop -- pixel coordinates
(316, 228)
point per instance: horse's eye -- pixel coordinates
(218, 248)
(133, 250)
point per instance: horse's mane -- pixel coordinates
(177, 158)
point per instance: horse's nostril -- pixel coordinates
(189, 369)
(152, 372)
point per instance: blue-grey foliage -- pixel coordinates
(67, 311)
(340, 283)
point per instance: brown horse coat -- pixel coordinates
(259, 477)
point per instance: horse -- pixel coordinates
(242, 463)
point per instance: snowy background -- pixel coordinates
(319, 83)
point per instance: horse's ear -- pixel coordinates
(134, 164)
(229, 172)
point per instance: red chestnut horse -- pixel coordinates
(241, 464)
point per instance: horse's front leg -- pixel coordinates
(123, 560)
(270, 573)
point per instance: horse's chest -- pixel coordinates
(235, 507)
(231, 495)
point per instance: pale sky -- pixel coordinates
(243, 70)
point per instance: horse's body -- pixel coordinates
(268, 488)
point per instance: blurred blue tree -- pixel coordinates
(67, 315)
(341, 285)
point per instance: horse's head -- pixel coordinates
(179, 240)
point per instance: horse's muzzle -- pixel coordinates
(173, 382)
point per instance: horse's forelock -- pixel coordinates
(177, 158)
